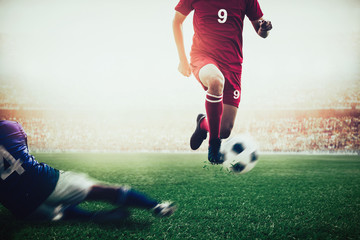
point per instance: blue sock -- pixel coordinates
(132, 198)
(76, 213)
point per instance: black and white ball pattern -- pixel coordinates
(240, 154)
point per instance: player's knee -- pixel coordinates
(216, 84)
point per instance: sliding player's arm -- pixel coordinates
(184, 66)
(262, 27)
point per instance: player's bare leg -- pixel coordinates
(227, 121)
(114, 195)
(126, 197)
(212, 78)
(121, 196)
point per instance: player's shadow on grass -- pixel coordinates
(10, 226)
(128, 224)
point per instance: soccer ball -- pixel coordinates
(240, 154)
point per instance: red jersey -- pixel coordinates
(218, 26)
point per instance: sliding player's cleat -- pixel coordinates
(164, 209)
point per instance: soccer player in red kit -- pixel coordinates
(216, 59)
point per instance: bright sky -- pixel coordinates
(113, 53)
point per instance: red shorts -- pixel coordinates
(232, 88)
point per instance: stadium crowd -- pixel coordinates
(307, 134)
(310, 134)
(285, 133)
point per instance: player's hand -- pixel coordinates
(265, 25)
(184, 69)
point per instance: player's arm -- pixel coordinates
(184, 66)
(262, 27)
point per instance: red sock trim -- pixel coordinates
(214, 111)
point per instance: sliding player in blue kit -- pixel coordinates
(36, 191)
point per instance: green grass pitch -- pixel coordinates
(283, 197)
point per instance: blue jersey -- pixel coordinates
(24, 182)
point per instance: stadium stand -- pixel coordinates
(292, 130)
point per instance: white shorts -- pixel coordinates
(71, 189)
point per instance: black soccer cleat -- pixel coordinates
(199, 134)
(214, 154)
